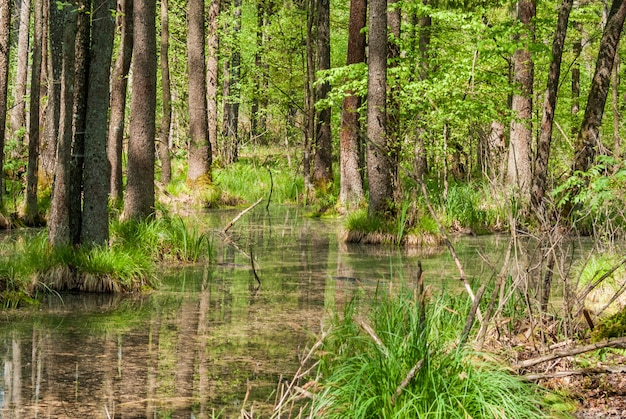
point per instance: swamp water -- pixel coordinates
(209, 342)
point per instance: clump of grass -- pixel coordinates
(401, 361)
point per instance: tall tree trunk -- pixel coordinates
(139, 203)
(83, 38)
(351, 184)
(119, 88)
(540, 171)
(212, 73)
(258, 123)
(199, 147)
(519, 166)
(577, 50)
(163, 145)
(322, 163)
(5, 39)
(59, 219)
(95, 226)
(230, 135)
(424, 23)
(18, 114)
(617, 141)
(586, 145)
(309, 101)
(393, 107)
(379, 168)
(31, 212)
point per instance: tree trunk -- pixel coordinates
(379, 168)
(322, 163)
(351, 184)
(586, 146)
(309, 101)
(139, 203)
(230, 136)
(18, 114)
(212, 73)
(393, 107)
(95, 225)
(617, 141)
(119, 86)
(577, 50)
(424, 23)
(31, 212)
(59, 219)
(5, 39)
(199, 147)
(163, 146)
(519, 166)
(540, 171)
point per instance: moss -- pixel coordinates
(612, 327)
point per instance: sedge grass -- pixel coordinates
(366, 360)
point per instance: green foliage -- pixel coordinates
(360, 220)
(464, 206)
(612, 327)
(366, 373)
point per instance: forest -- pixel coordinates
(411, 120)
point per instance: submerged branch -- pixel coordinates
(241, 214)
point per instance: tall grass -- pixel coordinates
(397, 362)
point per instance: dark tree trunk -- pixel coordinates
(322, 163)
(577, 50)
(309, 101)
(18, 114)
(212, 73)
(199, 147)
(230, 135)
(163, 146)
(351, 184)
(5, 38)
(59, 219)
(540, 171)
(393, 106)
(379, 168)
(139, 203)
(119, 86)
(586, 146)
(519, 166)
(617, 141)
(95, 225)
(31, 212)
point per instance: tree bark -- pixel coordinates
(5, 39)
(586, 145)
(18, 114)
(230, 135)
(519, 166)
(163, 146)
(378, 164)
(351, 184)
(322, 162)
(95, 223)
(212, 73)
(199, 147)
(540, 171)
(119, 86)
(139, 203)
(308, 131)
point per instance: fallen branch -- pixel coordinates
(374, 336)
(241, 214)
(613, 343)
(603, 369)
(407, 380)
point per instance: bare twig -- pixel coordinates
(613, 343)
(472, 315)
(602, 369)
(241, 214)
(407, 380)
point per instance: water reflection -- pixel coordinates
(209, 337)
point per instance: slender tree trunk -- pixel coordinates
(617, 141)
(309, 102)
(199, 171)
(59, 219)
(379, 168)
(119, 87)
(393, 107)
(31, 212)
(587, 143)
(5, 39)
(139, 203)
(519, 166)
(212, 71)
(230, 135)
(424, 23)
(540, 171)
(163, 146)
(18, 115)
(322, 163)
(351, 184)
(95, 226)
(577, 50)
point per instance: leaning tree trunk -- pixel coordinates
(379, 168)
(540, 171)
(351, 185)
(586, 146)
(18, 115)
(199, 171)
(322, 162)
(163, 145)
(31, 212)
(139, 202)
(119, 87)
(95, 225)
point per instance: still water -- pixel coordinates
(211, 341)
